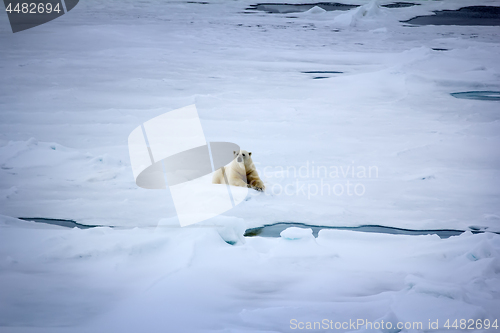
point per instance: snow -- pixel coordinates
(294, 233)
(367, 11)
(390, 109)
(189, 279)
(315, 10)
(381, 143)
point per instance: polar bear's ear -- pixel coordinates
(249, 153)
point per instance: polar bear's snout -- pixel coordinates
(238, 156)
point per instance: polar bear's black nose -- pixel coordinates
(240, 159)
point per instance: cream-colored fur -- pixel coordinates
(240, 172)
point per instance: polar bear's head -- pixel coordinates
(243, 156)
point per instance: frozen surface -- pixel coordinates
(68, 107)
(189, 280)
(379, 140)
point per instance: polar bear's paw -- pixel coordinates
(257, 185)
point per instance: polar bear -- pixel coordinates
(240, 172)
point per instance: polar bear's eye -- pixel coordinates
(243, 155)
